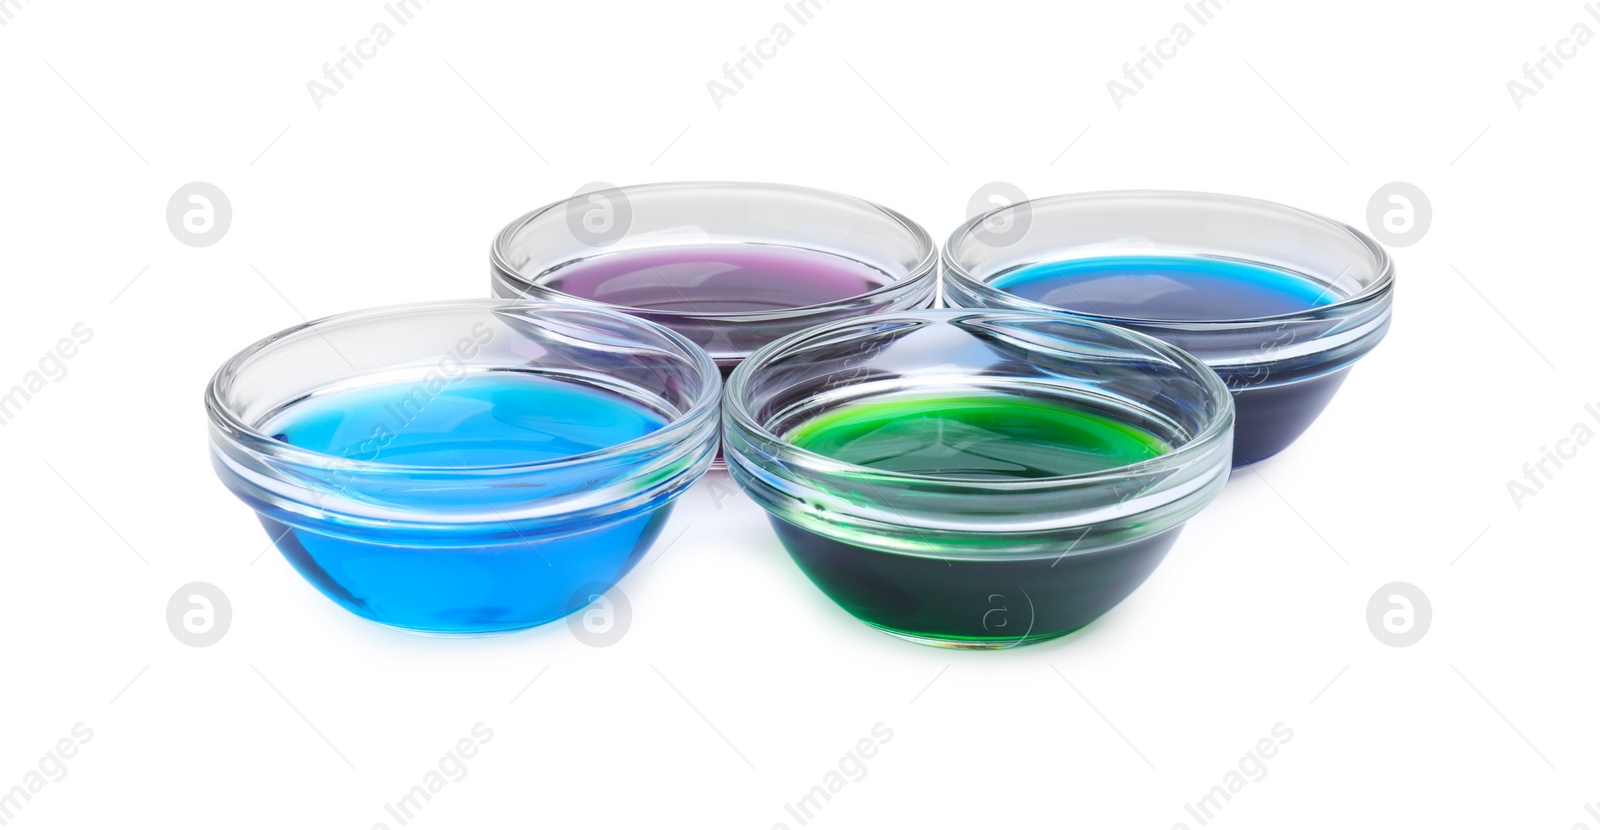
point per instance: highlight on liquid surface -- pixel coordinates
(968, 598)
(473, 420)
(987, 435)
(1166, 287)
(716, 278)
(490, 580)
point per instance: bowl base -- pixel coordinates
(974, 601)
(1269, 418)
(467, 591)
(974, 645)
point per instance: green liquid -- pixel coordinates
(984, 436)
(972, 601)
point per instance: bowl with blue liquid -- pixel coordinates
(976, 478)
(1278, 301)
(464, 467)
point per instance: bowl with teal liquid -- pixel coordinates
(464, 467)
(1279, 301)
(976, 478)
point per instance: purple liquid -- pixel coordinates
(716, 278)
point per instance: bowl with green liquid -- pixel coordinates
(977, 478)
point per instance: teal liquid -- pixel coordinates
(478, 580)
(957, 597)
(1165, 287)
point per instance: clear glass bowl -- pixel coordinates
(1283, 368)
(976, 561)
(516, 535)
(742, 264)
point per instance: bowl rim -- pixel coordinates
(1205, 441)
(225, 422)
(926, 266)
(1383, 263)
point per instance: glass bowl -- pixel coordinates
(732, 266)
(469, 466)
(936, 502)
(1278, 301)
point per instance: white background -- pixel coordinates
(738, 685)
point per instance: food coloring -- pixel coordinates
(417, 578)
(974, 597)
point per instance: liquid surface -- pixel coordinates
(717, 278)
(1166, 287)
(986, 436)
(477, 419)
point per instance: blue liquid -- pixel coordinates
(1166, 288)
(474, 580)
(482, 419)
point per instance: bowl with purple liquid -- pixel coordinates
(730, 265)
(1278, 301)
